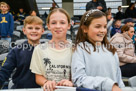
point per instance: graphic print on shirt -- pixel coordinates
(55, 71)
(3, 20)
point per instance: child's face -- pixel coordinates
(33, 32)
(58, 25)
(4, 8)
(97, 29)
(118, 24)
(21, 10)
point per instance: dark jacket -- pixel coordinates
(130, 13)
(19, 58)
(104, 5)
(6, 24)
(94, 5)
(119, 15)
(115, 30)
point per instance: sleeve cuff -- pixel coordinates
(107, 85)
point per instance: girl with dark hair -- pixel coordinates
(95, 63)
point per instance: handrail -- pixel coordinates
(55, 3)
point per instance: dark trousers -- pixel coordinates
(128, 70)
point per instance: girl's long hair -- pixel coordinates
(82, 37)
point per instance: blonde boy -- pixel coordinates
(6, 22)
(20, 57)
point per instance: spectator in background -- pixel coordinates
(126, 51)
(109, 11)
(104, 5)
(130, 21)
(14, 15)
(6, 22)
(116, 27)
(109, 24)
(94, 4)
(53, 6)
(131, 11)
(21, 16)
(45, 14)
(32, 13)
(119, 15)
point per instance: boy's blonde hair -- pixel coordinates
(4, 3)
(33, 19)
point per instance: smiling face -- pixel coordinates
(33, 32)
(58, 25)
(97, 29)
(118, 23)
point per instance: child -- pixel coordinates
(109, 24)
(51, 62)
(6, 22)
(21, 16)
(20, 56)
(95, 63)
(116, 28)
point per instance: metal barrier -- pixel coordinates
(37, 89)
(70, 89)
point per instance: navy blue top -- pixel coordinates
(19, 58)
(115, 30)
(6, 24)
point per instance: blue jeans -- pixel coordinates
(7, 39)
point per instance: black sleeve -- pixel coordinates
(103, 5)
(8, 66)
(89, 6)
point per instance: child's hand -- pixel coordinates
(65, 83)
(49, 86)
(116, 88)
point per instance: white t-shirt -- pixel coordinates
(52, 63)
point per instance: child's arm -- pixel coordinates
(40, 79)
(47, 84)
(8, 66)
